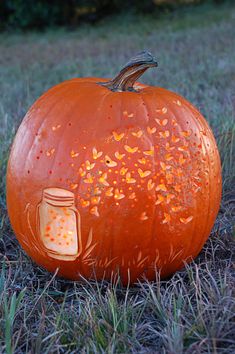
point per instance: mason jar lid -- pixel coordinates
(58, 195)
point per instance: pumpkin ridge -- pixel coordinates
(176, 115)
(200, 127)
(60, 143)
(165, 103)
(111, 235)
(41, 122)
(153, 236)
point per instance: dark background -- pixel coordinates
(40, 14)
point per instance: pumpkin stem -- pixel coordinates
(133, 69)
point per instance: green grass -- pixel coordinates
(192, 312)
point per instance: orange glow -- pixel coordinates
(50, 152)
(109, 192)
(183, 148)
(94, 211)
(74, 154)
(85, 203)
(130, 149)
(169, 197)
(167, 218)
(149, 152)
(164, 167)
(89, 166)
(161, 187)
(142, 161)
(117, 136)
(143, 174)
(151, 130)
(160, 199)
(95, 200)
(162, 110)
(109, 162)
(186, 220)
(56, 127)
(175, 139)
(128, 115)
(164, 134)
(186, 133)
(177, 102)
(102, 179)
(181, 159)
(168, 157)
(179, 172)
(176, 208)
(143, 216)
(89, 178)
(162, 123)
(169, 178)
(97, 191)
(137, 134)
(169, 148)
(118, 195)
(177, 188)
(96, 154)
(150, 185)
(123, 171)
(119, 156)
(129, 179)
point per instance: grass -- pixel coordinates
(193, 311)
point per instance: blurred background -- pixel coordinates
(39, 14)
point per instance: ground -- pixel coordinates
(193, 311)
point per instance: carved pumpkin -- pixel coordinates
(113, 176)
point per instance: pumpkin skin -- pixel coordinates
(144, 170)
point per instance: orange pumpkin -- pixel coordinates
(113, 176)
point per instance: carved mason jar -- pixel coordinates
(59, 224)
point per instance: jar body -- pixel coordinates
(59, 228)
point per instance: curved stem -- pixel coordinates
(135, 67)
